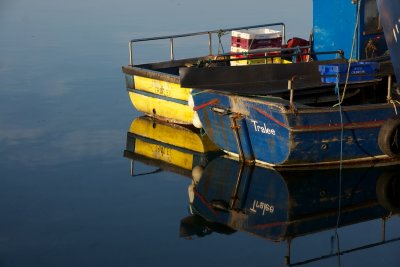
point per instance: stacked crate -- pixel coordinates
(256, 39)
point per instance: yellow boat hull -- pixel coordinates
(164, 109)
(161, 88)
(159, 95)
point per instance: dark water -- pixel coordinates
(66, 194)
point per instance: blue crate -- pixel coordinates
(359, 72)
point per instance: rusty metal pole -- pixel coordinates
(235, 128)
(290, 88)
(389, 93)
(291, 92)
(234, 196)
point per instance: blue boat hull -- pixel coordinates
(270, 131)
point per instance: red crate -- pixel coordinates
(263, 33)
(256, 38)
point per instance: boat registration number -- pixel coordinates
(161, 88)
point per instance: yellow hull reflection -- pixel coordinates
(171, 147)
(173, 135)
(165, 154)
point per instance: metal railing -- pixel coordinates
(209, 33)
(277, 52)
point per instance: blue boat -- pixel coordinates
(318, 112)
(283, 205)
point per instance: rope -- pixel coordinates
(220, 45)
(200, 92)
(389, 98)
(147, 173)
(352, 51)
(340, 167)
(341, 150)
(394, 102)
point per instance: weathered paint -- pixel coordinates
(162, 108)
(216, 118)
(311, 131)
(240, 130)
(275, 137)
(334, 24)
(279, 136)
(329, 35)
(162, 88)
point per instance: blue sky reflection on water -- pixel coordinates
(66, 195)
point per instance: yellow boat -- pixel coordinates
(171, 147)
(155, 88)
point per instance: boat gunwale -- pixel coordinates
(285, 107)
(298, 108)
(154, 70)
(151, 74)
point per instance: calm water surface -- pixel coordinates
(67, 197)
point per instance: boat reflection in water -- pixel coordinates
(285, 204)
(175, 148)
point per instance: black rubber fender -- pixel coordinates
(388, 191)
(389, 137)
